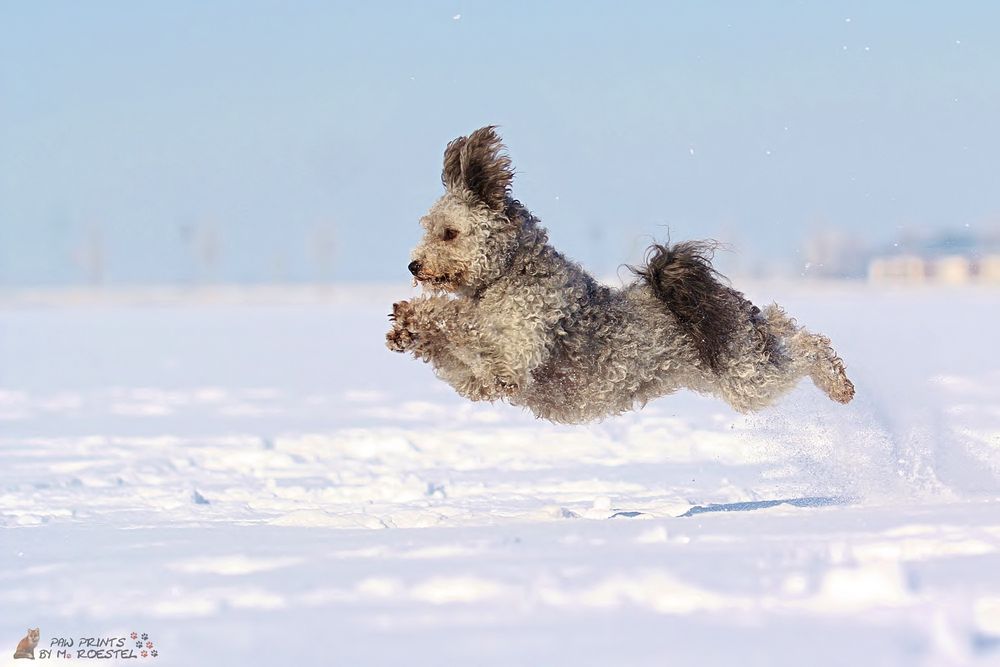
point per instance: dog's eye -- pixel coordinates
(449, 234)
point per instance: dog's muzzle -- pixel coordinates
(414, 267)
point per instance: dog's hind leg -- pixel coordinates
(812, 355)
(827, 369)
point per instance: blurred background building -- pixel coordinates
(944, 258)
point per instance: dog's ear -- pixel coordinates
(486, 169)
(451, 175)
(477, 163)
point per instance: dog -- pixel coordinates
(507, 317)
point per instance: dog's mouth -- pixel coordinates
(446, 281)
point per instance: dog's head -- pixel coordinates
(469, 240)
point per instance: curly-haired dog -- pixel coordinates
(508, 317)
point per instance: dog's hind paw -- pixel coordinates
(843, 390)
(832, 379)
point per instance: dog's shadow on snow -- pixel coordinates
(750, 506)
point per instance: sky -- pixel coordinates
(184, 142)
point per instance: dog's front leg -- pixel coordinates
(444, 332)
(422, 326)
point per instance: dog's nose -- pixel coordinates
(414, 267)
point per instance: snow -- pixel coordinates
(251, 478)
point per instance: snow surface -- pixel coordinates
(252, 479)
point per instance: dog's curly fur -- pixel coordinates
(508, 317)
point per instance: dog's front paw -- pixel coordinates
(401, 313)
(489, 389)
(400, 338)
(506, 389)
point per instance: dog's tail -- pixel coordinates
(707, 310)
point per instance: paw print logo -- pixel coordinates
(134, 635)
(145, 636)
(138, 644)
(144, 654)
(154, 653)
(149, 644)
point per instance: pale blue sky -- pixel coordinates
(259, 131)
